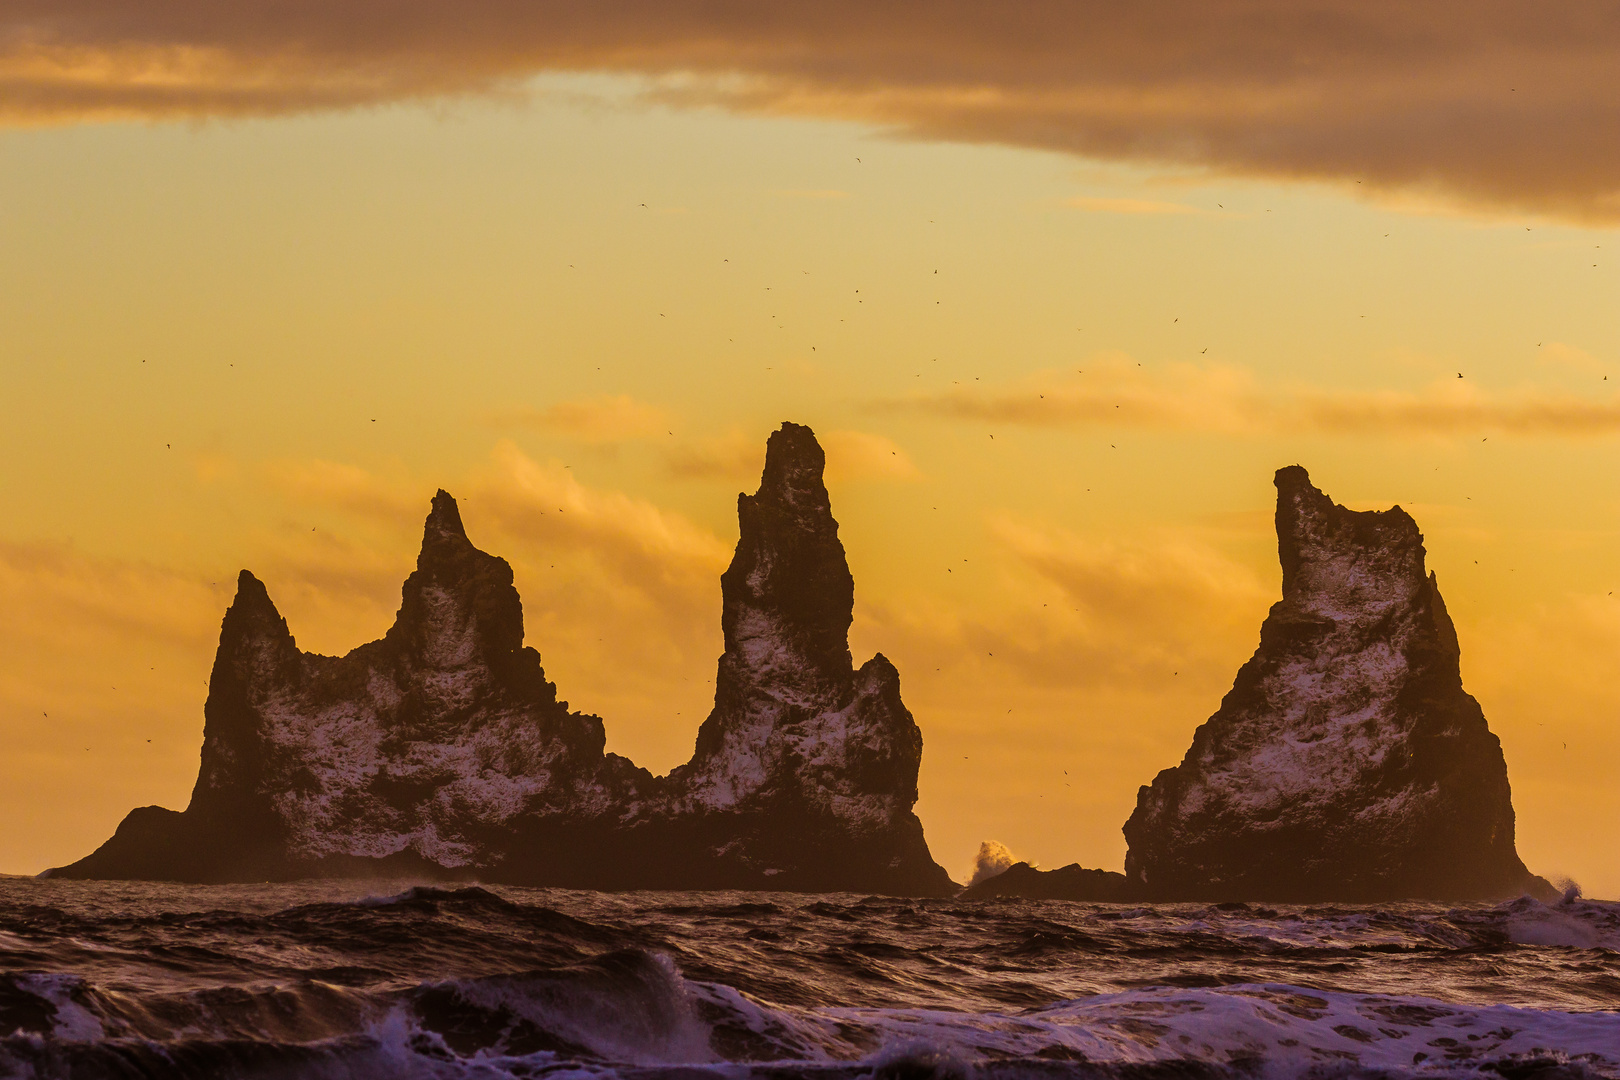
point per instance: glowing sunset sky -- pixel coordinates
(1058, 285)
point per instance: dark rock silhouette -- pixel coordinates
(442, 751)
(805, 761)
(1347, 763)
(1072, 882)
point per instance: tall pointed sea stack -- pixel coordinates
(442, 751)
(1347, 763)
(806, 766)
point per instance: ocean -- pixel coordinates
(388, 979)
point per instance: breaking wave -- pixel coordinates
(994, 859)
(357, 980)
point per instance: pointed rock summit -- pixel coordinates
(812, 762)
(442, 750)
(1347, 763)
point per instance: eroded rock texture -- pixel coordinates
(442, 750)
(805, 761)
(1347, 762)
(417, 753)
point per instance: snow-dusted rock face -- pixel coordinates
(1347, 762)
(441, 750)
(806, 765)
(423, 751)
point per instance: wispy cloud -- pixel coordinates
(648, 546)
(1081, 615)
(101, 693)
(732, 456)
(606, 419)
(349, 488)
(862, 456)
(1115, 392)
(1488, 102)
(1094, 205)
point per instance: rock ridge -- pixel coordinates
(441, 750)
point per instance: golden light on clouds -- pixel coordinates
(1094, 205)
(597, 420)
(1491, 103)
(1114, 391)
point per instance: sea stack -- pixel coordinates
(414, 754)
(442, 751)
(1347, 763)
(806, 766)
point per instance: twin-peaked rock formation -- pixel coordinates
(1347, 763)
(441, 750)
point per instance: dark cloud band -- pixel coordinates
(1492, 103)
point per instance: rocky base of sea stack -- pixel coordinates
(1072, 882)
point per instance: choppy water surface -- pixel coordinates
(361, 979)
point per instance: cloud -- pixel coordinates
(606, 419)
(514, 503)
(732, 456)
(1113, 391)
(1129, 611)
(1077, 613)
(1439, 412)
(65, 590)
(1128, 206)
(1557, 356)
(549, 506)
(101, 694)
(342, 487)
(622, 597)
(860, 455)
(1490, 102)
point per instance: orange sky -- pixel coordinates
(267, 283)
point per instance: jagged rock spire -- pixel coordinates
(256, 656)
(443, 535)
(820, 759)
(460, 608)
(788, 596)
(1347, 762)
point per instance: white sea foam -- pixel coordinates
(1268, 1032)
(1574, 923)
(994, 858)
(1274, 1030)
(71, 1019)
